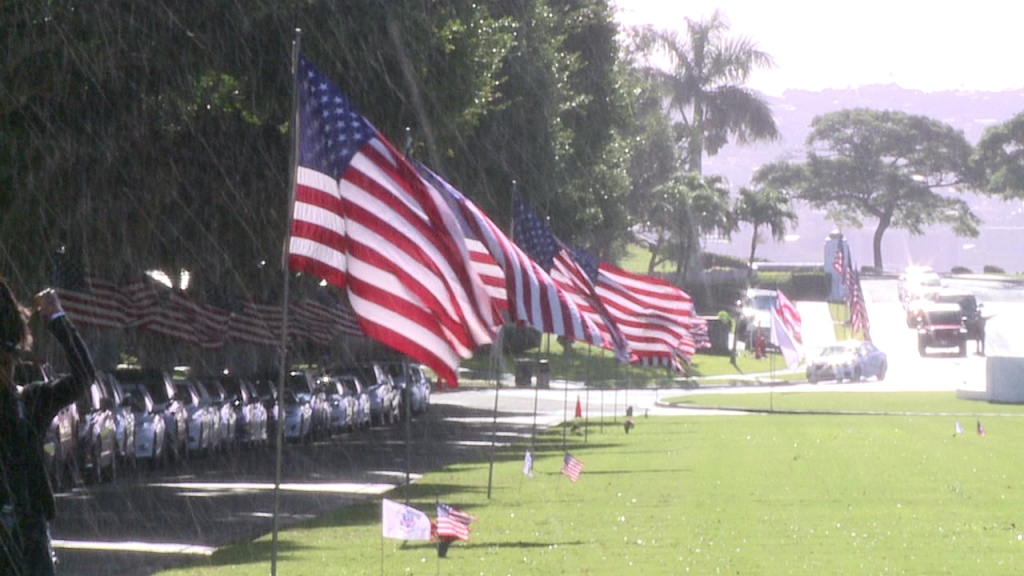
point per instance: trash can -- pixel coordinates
(543, 374)
(524, 372)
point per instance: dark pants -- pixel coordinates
(26, 551)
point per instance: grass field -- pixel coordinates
(760, 494)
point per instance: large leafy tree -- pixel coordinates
(140, 136)
(764, 206)
(705, 86)
(1000, 158)
(902, 170)
(556, 128)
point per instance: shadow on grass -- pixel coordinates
(258, 552)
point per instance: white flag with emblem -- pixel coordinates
(403, 522)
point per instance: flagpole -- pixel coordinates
(283, 356)
(406, 401)
(565, 407)
(496, 366)
(406, 392)
(586, 384)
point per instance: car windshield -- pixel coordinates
(839, 350)
(153, 380)
(185, 393)
(943, 317)
(232, 386)
(297, 383)
(762, 302)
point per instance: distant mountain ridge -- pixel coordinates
(971, 112)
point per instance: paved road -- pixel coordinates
(160, 519)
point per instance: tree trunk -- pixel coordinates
(883, 225)
(753, 249)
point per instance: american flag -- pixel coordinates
(365, 221)
(537, 240)
(452, 523)
(533, 296)
(101, 304)
(858, 309)
(839, 262)
(655, 317)
(571, 467)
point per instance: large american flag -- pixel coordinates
(655, 317)
(533, 296)
(365, 221)
(452, 522)
(537, 240)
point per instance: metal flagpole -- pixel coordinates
(586, 384)
(406, 401)
(283, 357)
(496, 353)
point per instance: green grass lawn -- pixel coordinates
(779, 399)
(760, 494)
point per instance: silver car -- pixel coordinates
(849, 360)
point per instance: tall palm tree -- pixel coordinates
(705, 85)
(764, 207)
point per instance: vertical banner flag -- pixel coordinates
(571, 467)
(528, 464)
(402, 522)
(452, 523)
(364, 220)
(787, 330)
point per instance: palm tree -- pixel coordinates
(765, 207)
(705, 86)
(686, 208)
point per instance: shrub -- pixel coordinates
(960, 270)
(990, 269)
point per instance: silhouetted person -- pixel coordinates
(26, 499)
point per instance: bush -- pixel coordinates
(960, 270)
(990, 269)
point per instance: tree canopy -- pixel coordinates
(903, 170)
(1000, 158)
(140, 136)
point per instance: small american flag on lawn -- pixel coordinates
(572, 467)
(452, 523)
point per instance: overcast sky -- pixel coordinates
(927, 46)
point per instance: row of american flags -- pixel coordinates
(858, 312)
(426, 272)
(145, 304)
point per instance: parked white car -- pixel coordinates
(343, 406)
(150, 426)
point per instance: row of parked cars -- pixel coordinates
(144, 417)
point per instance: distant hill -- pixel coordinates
(972, 112)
